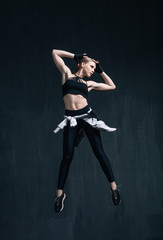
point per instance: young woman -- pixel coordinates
(80, 118)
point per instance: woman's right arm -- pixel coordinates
(57, 57)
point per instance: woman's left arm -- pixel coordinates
(108, 80)
(108, 85)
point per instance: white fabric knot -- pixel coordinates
(72, 120)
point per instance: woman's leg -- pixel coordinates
(69, 137)
(96, 144)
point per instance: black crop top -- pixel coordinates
(74, 85)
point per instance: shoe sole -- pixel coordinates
(63, 202)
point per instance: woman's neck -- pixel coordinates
(79, 73)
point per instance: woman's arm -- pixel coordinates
(60, 64)
(108, 85)
(108, 81)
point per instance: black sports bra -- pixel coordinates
(75, 85)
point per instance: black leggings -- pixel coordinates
(69, 137)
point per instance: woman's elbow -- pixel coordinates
(113, 87)
(53, 51)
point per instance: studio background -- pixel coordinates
(125, 36)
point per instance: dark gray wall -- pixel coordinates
(126, 37)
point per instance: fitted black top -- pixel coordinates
(75, 85)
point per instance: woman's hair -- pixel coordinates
(84, 59)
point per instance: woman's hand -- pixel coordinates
(98, 68)
(78, 57)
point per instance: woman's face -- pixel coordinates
(89, 68)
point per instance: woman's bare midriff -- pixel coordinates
(74, 102)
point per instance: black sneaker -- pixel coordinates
(115, 197)
(59, 202)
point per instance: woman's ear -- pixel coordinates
(82, 64)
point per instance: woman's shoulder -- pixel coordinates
(66, 76)
(90, 83)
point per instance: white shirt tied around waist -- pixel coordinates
(98, 124)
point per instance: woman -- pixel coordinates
(80, 118)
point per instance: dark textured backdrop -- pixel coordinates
(126, 37)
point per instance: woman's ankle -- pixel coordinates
(113, 185)
(59, 192)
